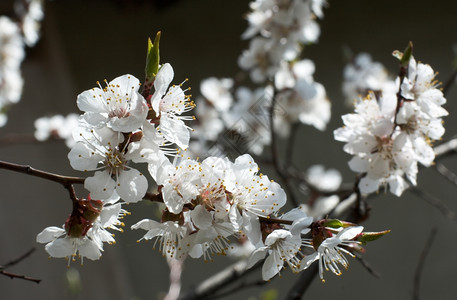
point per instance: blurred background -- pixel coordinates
(88, 40)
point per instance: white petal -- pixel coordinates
(62, 247)
(273, 264)
(83, 158)
(89, 249)
(131, 185)
(49, 234)
(101, 185)
(161, 83)
(201, 217)
(175, 131)
(256, 255)
(91, 101)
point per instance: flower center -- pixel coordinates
(114, 161)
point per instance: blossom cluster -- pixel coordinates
(390, 132)
(119, 127)
(14, 35)
(277, 29)
(209, 205)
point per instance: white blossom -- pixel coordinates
(102, 146)
(57, 126)
(60, 242)
(330, 252)
(119, 105)
(169, 103)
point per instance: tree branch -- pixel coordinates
(25, 169)
(437, 203)
(12, 276)
(421, 263)
(446, 173)
(214, 283)
(14, 262)
(304, 281)
(275, 153)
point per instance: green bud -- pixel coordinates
(366, 237)
(152, 58)
(335, 223)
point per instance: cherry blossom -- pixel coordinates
(105, 146)
(119, 105)
(169, 103)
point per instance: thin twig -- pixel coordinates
(449, 82)
(14, 262)
(12, 276)
(421, 263)
(17, 260)
(437, 203)
(275, 153)
(291, 142)
(368, 267)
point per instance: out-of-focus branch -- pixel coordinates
(447, 86)
(214, 283)
(367, 266)
(446, 148)
(437, 203)
(420, 265)
(175, 278)
(275, 154)
(303, 282)
(446, 173)
(238, 287)
(16, 139)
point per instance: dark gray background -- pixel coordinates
(85, 41)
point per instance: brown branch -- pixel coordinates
(66, 181)
(25, 169)
(421, 263)
(153, 197)
(277, 221)
(14, 262)
(12, 276)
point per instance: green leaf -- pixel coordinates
(152, 58)
(404, 57)
(407, 55)
(366, 237)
